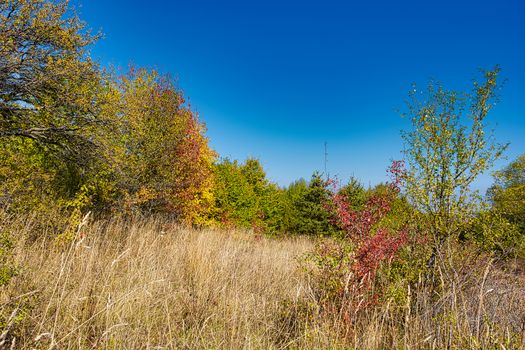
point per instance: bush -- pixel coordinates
(508, 193)
(492, 231)
(345, 270)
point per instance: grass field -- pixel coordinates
(148, 284)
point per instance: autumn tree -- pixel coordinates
(49, 87)
(163, 154)
(446, 148)
(52, 97)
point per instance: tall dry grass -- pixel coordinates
(149, 284)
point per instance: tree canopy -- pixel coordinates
(50, 90)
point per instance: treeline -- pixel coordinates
(75, 137)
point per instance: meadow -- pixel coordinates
(121, 227)
(151, 284)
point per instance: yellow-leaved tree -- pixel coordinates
(446, 149)
(51, 97)
(164, 158)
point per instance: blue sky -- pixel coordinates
(276, 79)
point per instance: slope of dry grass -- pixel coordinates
(148, 284)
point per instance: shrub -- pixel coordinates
(508, 193)
(345, 269)
(492, 231)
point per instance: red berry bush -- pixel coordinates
(345, 269)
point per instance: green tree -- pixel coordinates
(235, 199)
(268, 196)
(306, 207)
(446, 148)
(501, 228)
(493, 232)
(354, 193)
(244, 197)
(508, 192)
(293, 195)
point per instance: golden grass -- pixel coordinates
(149, 284)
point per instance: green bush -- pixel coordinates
(508, 193)
(492, 231)
(501, 229)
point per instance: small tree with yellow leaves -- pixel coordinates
(446, 149)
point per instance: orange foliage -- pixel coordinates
(164, 154)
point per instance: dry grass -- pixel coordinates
(147, 284)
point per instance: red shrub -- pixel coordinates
(346, 275)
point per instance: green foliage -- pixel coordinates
(405, 272)
(306, 209)
(446, 149)
(354, 194)
(273, 206)
(31, 178)
(355, 271)
(493, 232)
(292, 196)
(268, 196)
(235, 199)
(73, 138)
(7, 270)
(244, 197)
(329, 266)
(52, 103)
(401, 212)
(501, 229)
(51, 91)
(508, 193)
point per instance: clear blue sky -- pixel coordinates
(275, 79)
